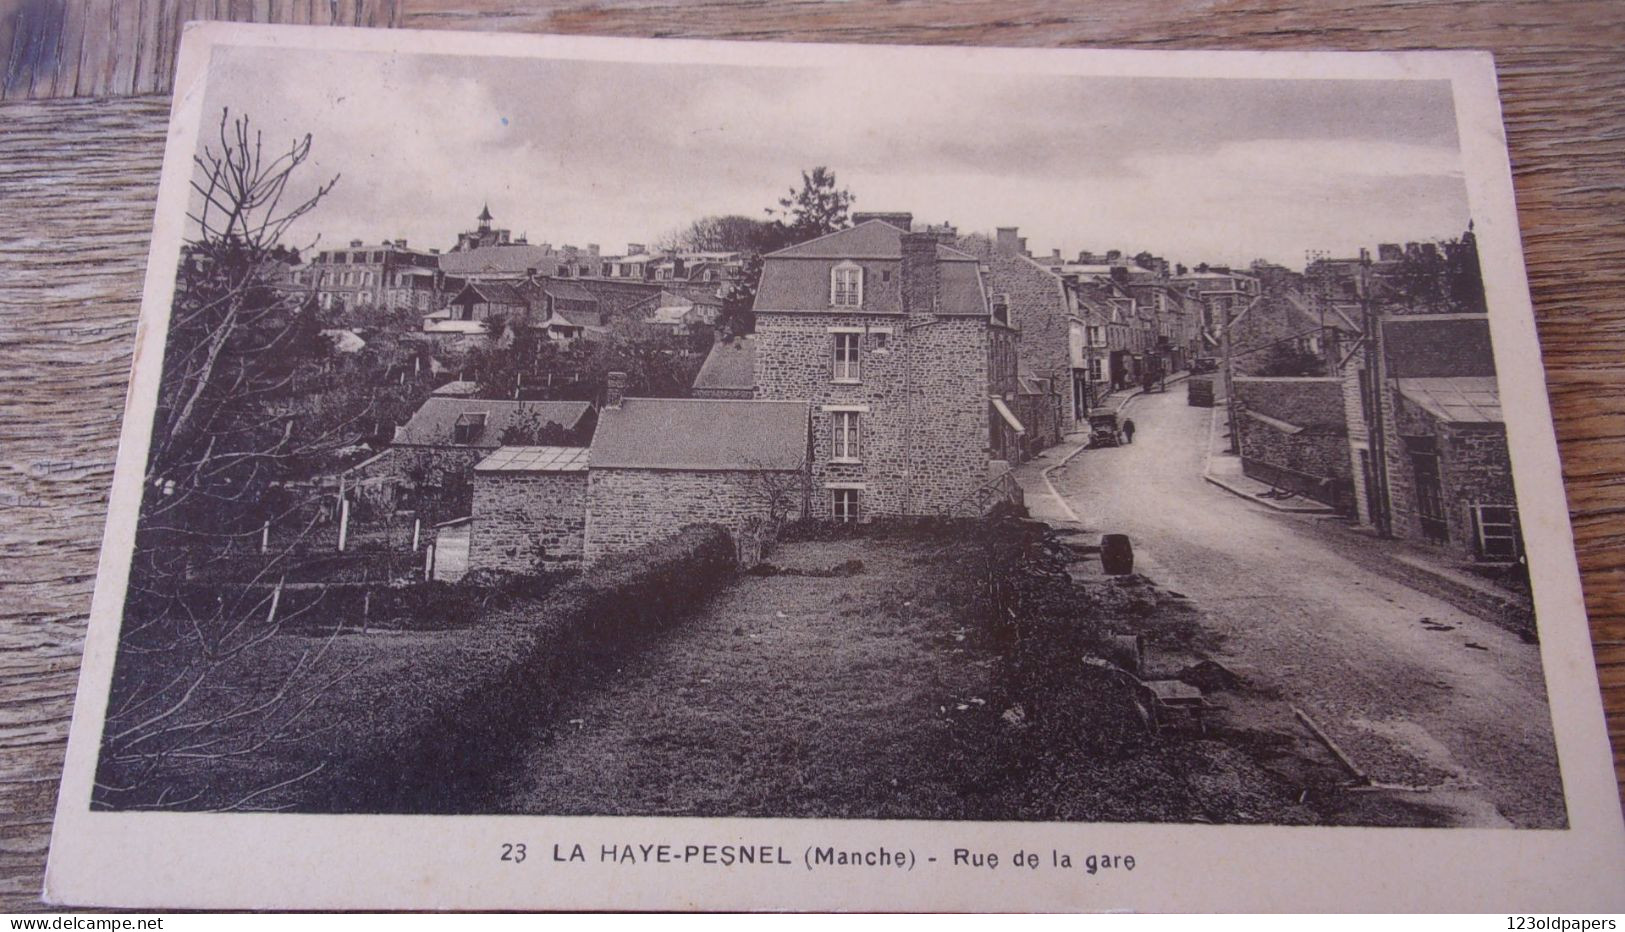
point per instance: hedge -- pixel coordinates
(449, 750)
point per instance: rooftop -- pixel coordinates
(1456, 400)
(435, 423)
(730, 365)
(701, 434)
(536, 459)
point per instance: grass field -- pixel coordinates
(875, 695)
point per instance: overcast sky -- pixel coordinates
(579, 152)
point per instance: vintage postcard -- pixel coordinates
(588, 473)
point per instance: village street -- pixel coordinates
(1416, 691)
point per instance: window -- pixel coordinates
(844, 446)
(846, 357)
(1096, 337)
(1499, 537)
(468, 428)
(1096, 374)
(364, 298)
(844, 505)
(846, 285)
(377, 257)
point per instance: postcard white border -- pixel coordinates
(172, 860)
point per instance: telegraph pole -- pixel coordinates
(1375, 379)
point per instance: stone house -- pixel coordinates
(530, 508)
(1041, 311)
(1431, 437)
(890, 337)
(661, 463)
(1292, 434)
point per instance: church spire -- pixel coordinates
(485, 217)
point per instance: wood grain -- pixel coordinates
(97, 48)
(77, 180)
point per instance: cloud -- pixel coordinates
(577, 152)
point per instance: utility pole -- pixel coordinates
(1381, 514)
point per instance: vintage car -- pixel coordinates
(1103, 430)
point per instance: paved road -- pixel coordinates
(1462, 710)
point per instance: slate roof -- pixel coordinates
(872, 239)
(730, 365)
(512, 259)
(701, 434)
(536, 459)
(494, 293)
(568, 291)
(433, 424)
(791, 285)
(1456, 400)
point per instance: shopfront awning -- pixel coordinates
(1009, 418)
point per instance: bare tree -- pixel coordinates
(229, 448)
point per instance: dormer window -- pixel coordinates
(846, 285)
(468, 428)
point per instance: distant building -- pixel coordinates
(387, 275)
(1039, 308)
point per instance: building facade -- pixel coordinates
(890, 337)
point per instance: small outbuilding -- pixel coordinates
(530, 509)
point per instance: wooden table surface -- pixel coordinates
(78, 178)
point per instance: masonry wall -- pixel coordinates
(632, 507)
(924, 441)
(524, 521)
(1314, 461)
(1475, 468)
(1039, 311)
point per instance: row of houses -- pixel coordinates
(571, 292)
(1402, 430)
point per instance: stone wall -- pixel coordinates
(924, 427)
(1474, 469)
(632, 507)
(1039, 311)
(1306, 402)
(524, 521)
(1312, 460)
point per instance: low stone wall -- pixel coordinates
(633, 507)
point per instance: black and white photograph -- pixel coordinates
(711, 437)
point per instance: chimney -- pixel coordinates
(634, 249)
(614, 389)
(1120, 274)
(592, 249)
(1055, 256)
(1008, 243)
(355, 243)
(901, 219)
(400, 244)
(1021, 244)
(919, 271)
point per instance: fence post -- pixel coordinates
(417, 529)
(344, 523)
(265, 537)
(428, 563)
